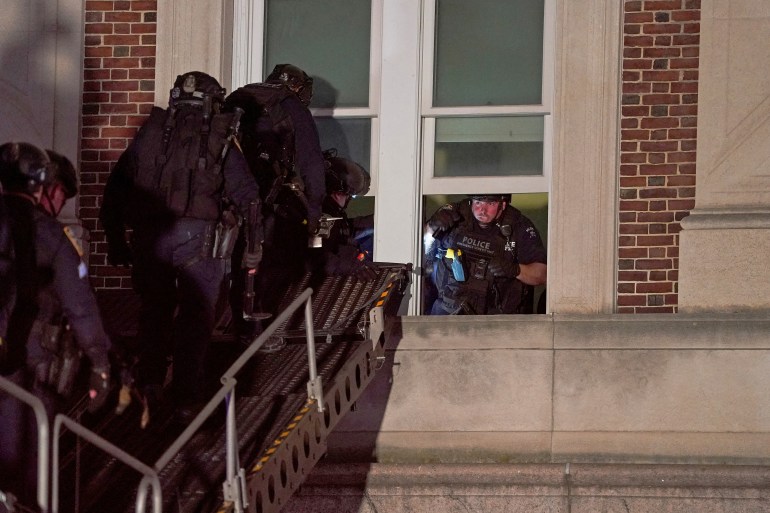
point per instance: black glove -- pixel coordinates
(118, 251)
(312, 226)
(501, 267)
(444, 218)
(98, 388)
(252, 260)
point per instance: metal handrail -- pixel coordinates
(43, 431)
(233, 486)
(150, 474)
(234, 482)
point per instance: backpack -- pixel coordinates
(266, 135)
(180, 152)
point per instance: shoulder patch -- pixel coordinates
(73, 240)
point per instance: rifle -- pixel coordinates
(252, 228)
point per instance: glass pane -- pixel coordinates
(351, 136)
(329, 40)
(488, 52)
(500, 146)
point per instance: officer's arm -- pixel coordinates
(70, 281)
(307, 155)
(531, 254)
(533, 274)
(240, 185)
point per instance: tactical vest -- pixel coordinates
(463, 277)
(180, 157)
(266, 135)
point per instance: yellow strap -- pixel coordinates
(73, 240)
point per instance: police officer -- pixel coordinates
(184, 188)
(485, 257)
(341, 254)
(50, 276)
(280, 141)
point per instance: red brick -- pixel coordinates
(121, 40)
(119, 132)
(654, 240)
(121, 62)
(138, 5)
(662, 122)
(657, 287)
(637, 63)
(655, 217)
(662, 28)
(683, 63)
(661, 192)
(628, 300)
(123, 16)
(125, 85)
(682, 156)
(662, 5)
(659, 146)
(661, 76)
(650, 263)
(143, 28)
(99, 28)
(681, 204)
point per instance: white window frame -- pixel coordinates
(461, 185)
(248, 62)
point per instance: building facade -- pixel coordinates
(654, 121)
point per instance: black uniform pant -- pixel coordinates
(180, 286)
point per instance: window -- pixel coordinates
(485, 114)
(439, 97)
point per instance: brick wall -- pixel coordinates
(657, 149)
(118, 92)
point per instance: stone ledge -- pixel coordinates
(546, 488)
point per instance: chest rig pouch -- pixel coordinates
(468, 260)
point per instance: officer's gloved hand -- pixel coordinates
(98, 388)
(252, 260)
(118, 251)
(501, 267)
(444, 218)
(312, 226)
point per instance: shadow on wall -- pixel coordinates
(38, 42)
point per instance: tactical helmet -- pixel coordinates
(193, 87)
(345, 176)
(63, 173)
(23, 167)
(296, 79)
(491, 197)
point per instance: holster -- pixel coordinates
(219, 239)
(61, 370)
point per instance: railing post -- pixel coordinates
(314, 386)
(234, 485)
(43, 438)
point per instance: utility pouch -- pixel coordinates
(49, 337)
(478, 268)
(70, 364)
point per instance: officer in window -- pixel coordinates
(280, 141)
(52, 282)
(485, 257)
(183, 187)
